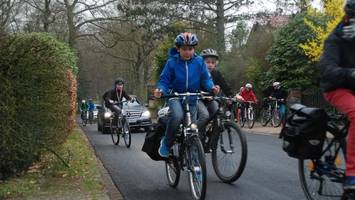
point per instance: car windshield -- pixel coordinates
(134, 103)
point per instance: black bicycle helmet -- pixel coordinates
(349, 8)
(119, 81)
(209, 53)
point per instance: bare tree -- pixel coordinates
(9, 9)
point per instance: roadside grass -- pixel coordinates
(50, 176)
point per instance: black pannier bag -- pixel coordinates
(152, 141)
(304, 132)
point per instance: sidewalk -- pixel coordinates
(267, 130)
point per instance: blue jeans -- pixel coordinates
(282, 109)
(205, 112)
(175, 118)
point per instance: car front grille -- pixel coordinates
(134, 114)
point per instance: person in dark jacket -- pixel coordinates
(208, 108)
(183, 72)
(337, 70)
(277, 92)
(116, 95)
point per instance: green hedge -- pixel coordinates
(34, 100)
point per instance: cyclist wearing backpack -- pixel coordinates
(183, 72)
(208, 108)
(337, 70)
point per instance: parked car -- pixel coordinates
(137, 113)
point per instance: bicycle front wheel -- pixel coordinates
(126, 134)
(115, 136)
(197, 169)
(229, 153)
(172, 171)
(322, 179)
(251, 118)
(242, 119)
(276, 118)
(265, 117)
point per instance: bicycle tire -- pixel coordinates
(306, 184)
(251, 122)
(276, 118)
(114, 133)
(243, 153)
(195, 143)
(172, 166)
(265, 117)
(126, 134)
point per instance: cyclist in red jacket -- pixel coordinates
(248, 95)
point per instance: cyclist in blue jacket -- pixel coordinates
(184, 71)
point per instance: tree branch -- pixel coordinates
(93, 7)
(98, 20)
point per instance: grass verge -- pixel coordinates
(50, 177)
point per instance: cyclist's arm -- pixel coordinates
(165, 78)
(253, 96)
(206, 79)
(223, 83)
(329, 64)
(126, 96)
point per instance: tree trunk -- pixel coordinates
(46, 15)
(220, 26)
(71, 25)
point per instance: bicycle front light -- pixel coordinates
(107, 115)
(146, 114)
(193, 127)
(228, 113)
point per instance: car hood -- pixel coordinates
(135, 108)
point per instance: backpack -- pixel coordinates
(304, 132)
(152, 142)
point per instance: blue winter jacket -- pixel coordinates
(184, 76)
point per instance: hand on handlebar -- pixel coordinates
(216, 89)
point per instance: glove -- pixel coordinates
(349, 30)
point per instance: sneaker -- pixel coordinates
(349, 183)
(164, 150)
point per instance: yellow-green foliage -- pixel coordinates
(333, 11)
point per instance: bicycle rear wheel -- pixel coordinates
(172, 171)
(126, 134)
(229, 153)
(322, 179)
(197, 169)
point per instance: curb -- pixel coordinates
(112, 191)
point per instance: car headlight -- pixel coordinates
(146, 114)
(107, 114)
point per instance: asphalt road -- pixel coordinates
(269, 174)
